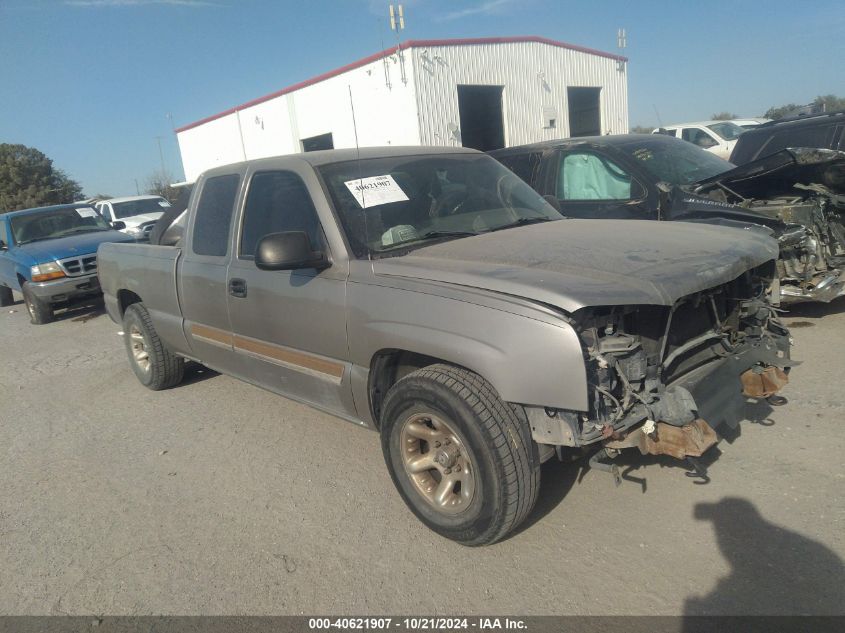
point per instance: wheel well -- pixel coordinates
(389, 366)
(126, 298)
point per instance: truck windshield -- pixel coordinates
(49, 224)
(675, 162)
(389, 204)
(728, 130)
(139, 207)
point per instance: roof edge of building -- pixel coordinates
(390, 51)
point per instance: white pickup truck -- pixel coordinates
(139, 214)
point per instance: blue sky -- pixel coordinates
(91, 82)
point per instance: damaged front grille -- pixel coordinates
(640, 359)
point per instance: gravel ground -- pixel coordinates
(219, 498)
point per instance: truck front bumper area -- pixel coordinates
(721, 391)
(67, 289)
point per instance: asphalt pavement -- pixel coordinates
(217, 497)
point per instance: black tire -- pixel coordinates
(6, 297)
(163, 368)
(504, 458)
(40, 311)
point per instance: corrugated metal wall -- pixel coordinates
(535, 77)
(385, 114)
(423, 111)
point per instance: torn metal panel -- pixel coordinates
(762, 383)
(690, 440)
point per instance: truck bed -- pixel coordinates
(148, 272)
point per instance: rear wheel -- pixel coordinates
(40, 311)
(461, 458)
(6, 298)
(153, 363)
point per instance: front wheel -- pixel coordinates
(461, 458)
(40, 311)
(153, 363)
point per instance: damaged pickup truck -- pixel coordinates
(428, 294)
(796, 194)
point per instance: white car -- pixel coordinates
(138, 213)
(718, 137)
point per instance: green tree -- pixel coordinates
(822, 103)
(778, 112)
(724, 116)
(831, 103)
(28, 179)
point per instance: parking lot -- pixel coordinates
(219, 498)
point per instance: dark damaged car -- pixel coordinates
(794, 194)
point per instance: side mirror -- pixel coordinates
(118, 225)
(288, 251)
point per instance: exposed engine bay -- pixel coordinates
(663, 379)
(812, 244)
(799, 188)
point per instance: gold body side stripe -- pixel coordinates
(287, 357)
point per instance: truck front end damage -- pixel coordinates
(665, 380)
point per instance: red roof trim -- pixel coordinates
(390, 51)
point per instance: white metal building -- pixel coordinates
(484, 93)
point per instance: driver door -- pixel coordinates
(291, 324)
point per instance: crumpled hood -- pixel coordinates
(572, 264)
(70, 246)
(778, 173)
(138, 220)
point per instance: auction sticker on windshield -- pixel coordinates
(86, 212)
(374, 191)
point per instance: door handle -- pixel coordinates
(237, 287)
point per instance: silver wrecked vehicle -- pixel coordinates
(431, 295)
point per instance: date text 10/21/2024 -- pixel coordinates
(417, 624)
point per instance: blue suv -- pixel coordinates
(50, 255)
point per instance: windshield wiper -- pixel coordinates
(521, 222)
(83, 229)
(432, 234)
(417, 242)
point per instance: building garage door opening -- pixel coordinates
(584, 112)
(480, 108)
(316, 143)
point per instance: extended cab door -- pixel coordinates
(290, 324)
(589, 184)
(202, 276)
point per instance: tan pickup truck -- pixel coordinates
(431, 295)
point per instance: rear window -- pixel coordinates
(214, 215)
(132, 208)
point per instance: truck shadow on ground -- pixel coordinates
(81, 313)
(558, 478)
(194, 373)
(774, 571)
(815, 310)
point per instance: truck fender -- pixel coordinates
(529, 361)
